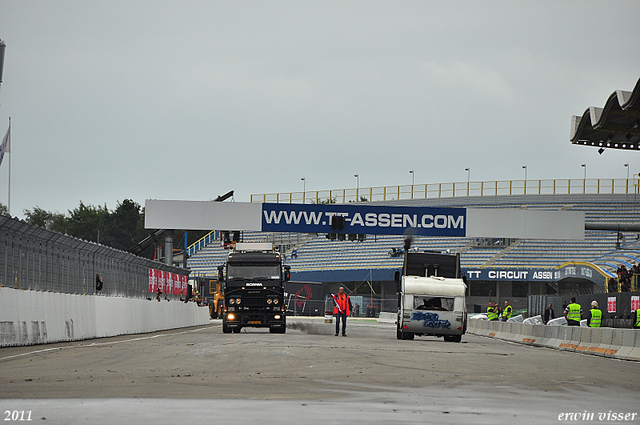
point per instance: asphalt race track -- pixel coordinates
(310, 376)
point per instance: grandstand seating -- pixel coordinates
(319, 253)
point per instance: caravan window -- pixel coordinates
(432, 303)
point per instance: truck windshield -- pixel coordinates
(432, 303)
(253, 272)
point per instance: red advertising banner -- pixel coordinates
(184, 279)
(635, 303)
(153, 280)
(160, 280)
(168, 283)
(174, 283)
(611, 304)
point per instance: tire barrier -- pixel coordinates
(623, 344)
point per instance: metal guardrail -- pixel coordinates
(34, 258)
(457, 189)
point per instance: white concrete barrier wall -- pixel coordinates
(387, 317)
(32, 317)
(608, 342)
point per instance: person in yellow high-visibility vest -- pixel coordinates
(492, 311)
(595, 316)
(573, 313)
(507, 311)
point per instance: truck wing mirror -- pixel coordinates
(220, 273)
(287, 273)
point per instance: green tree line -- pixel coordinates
(121, 228)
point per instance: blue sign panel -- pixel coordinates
(364, 219)
(510, 274)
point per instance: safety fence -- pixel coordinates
(629, 186)
(623, 344)
(617, 307)
(37, 259)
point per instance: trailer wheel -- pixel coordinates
(405, 335)
(226, 329)
(453, 338)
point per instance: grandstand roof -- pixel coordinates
(616, 126)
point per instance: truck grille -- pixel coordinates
(254, 300)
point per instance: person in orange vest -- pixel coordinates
(341, 310)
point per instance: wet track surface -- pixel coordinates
(308, 375)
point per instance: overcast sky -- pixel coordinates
(114, 100)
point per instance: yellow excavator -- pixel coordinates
(212, 294)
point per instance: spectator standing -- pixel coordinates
(595, 315)
(507, 312)
(548, 314)
(341, 310)
(492, 314)
(573, 313)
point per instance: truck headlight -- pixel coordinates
(269, 301)
(277, 317)
(232, 301)
(276, 301)
(231, 316)
(238, 301)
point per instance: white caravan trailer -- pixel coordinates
(431, 297)
(432, 306)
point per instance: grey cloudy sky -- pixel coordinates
(188, 100)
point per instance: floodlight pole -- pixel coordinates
(413, 181)
(626, 184)
(584, 181)
(2, 47)
(468, 170)
(304, 188)
(357, 176)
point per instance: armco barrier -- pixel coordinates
(35, 317)
(607, 342)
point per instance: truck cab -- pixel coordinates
(254, 288)
(431, 297)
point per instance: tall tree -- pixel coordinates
(39, 217)
(88, 222)
(122, 227)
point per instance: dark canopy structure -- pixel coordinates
(616, 126)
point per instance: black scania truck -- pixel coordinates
(254, 288)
